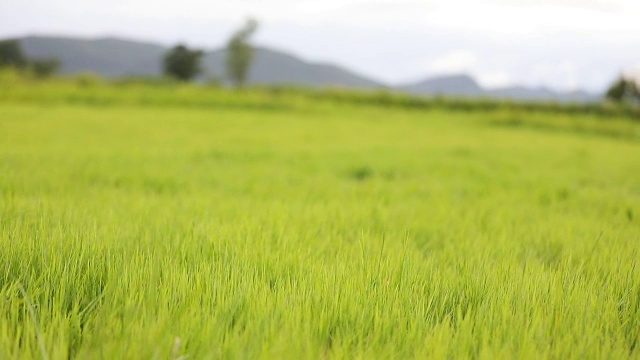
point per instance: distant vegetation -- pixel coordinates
(185, 64)
(240, 53)
(182, 63)
(625, 90)
(12, 56)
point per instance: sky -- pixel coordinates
(560, 44)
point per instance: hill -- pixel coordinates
(273, 67)
(110, 57)
(455, 85)
(114, 57)
(461, 85)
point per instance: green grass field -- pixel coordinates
(245, 226)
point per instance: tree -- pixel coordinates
(240, 53)
(11, 54)
(182, 63)
(624, 90)
(44, 68)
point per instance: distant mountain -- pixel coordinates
(541, 94)
(454, 85)
(110, 57)
(275, 67)
(465, 86)
(115, 57)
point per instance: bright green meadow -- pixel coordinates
(183, 222)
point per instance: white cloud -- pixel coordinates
(495, 79)
(564, 75)
(458, 61)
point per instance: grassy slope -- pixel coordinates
(336, 230)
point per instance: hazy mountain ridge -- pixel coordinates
(457, 85)
(117, 57)
(462, 85)
(273, 67)
(110, 57)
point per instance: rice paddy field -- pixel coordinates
(141, 222)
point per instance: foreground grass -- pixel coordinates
(132, 231)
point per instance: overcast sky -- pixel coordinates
(563, 44)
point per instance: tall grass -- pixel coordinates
(329, 230)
